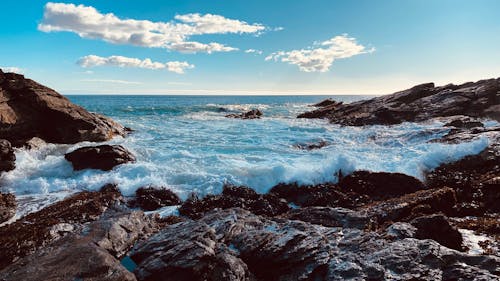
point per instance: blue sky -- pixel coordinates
(312, 47)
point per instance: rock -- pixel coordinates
(326, 102)
(231, 197)
(311, 146)
(464, 123)
(7, 156)
(437, 228)
(93, 253)
(329, 217)
(35, 230)
(478, 100)
(380, 185)
(314, 195)
(151, 198)
(257, 248)
(252, 114)
(102, 157)
(7, 206)
(28, 109)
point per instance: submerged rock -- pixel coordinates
(252, 114)
(7, 206)
(102, 157)
(7, 156)
(420, 103)
(311, 146)
(151, 198)
(28, 109)
(231, 197)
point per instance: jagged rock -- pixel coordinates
(420, 103)
(324, 107)
(93, 253)
(281, 249)
(326, 102)
(7, 206)
(28, 109)
(35, 230)
(311, 146)
(437, 228)
(380, 185)
(7, 156)
(329, 217)
(252, 114)
(231, 197)
(151, 198)
(464, 123)
(102, 157)
(314, 195)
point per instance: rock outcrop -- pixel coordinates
(28, 109)
(7, 206)
(152, 198)
(252, 114)
(102, 157)
(420, 103)
(7, 156)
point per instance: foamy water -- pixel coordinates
(187, 145)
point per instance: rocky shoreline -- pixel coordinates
(368, 226)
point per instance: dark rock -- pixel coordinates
(380, 185)
(7, 206)
(437, 228)
(311, 146)
(257, 248)
(102, 157)
(252, 114)
(151, 198)
(464, 123)
(231, 197)
(91, 253)
(28, 109)
(7, 156)
(326, 102)
(420, 103)
(35, 230)
(327, 194)
(329, 217)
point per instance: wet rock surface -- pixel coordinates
(7, 156)
(152, 198)
(252, 114)
(420, 103)
(29, 109)
(311, 145)
(102, 157)
(438, 228)
(7, 206)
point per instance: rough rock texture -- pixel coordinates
(151, 198)
(28, 109)
(7, 156)
(311, 145)
(7, 206)
(234, 244)
(420, 103)
(437, 228)
(326, 102)
(234, 196)
(326, 194)
(102, 157)
(93, 253)
(36, 230)
(252, 114)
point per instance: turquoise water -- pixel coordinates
(186, 144)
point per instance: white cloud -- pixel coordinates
(88, 22)
(253, 51)
(120, 61)
(320, 59)
(12, 69)
(112, 81)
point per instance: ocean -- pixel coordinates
(185, 143)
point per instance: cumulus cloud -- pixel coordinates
(253, 51)
(14, 69)
(120, 61)
(89, 23)
(321, 57)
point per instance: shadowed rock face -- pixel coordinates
(102, 157)
(151, 198)
(7, 206)
(7, 156)
(28, 109)
(420, 103)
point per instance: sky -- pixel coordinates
(249, 47)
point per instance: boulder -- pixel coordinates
(151, 198)
(35, 230)
(478, 100)
(380, 185)
(327, 194)
(231, 197)
(438, 228)
(7, 156)
(252, 114)
(29, 109)
(7, 206)
(102, 157)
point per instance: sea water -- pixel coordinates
(186, 144)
